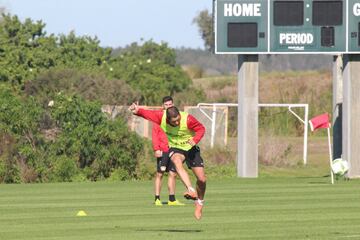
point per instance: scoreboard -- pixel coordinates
(287, 26)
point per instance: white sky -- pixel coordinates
(117, 23)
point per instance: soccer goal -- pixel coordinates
(214, 107)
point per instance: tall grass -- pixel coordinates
(311, 87)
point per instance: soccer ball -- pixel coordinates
(339, 166)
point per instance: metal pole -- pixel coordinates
(351, 114)
(213, 124)
(330, 156)
(306, 124)
(337, 103)
(248, 83)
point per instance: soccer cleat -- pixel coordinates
(158, 202)
(175, 203)
(198, 210)
(190, 195)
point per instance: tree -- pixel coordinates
(151, 69)
(204, 22)
(2, 11)
(26, 50)
(90, 85)
(17, 41)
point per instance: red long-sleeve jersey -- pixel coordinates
(192, 123)
(159, 139)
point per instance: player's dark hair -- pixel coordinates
(172, 112)
(166, 99)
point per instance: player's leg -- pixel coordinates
(171, 170)
(200, 188)
(171, 186)
(177, 158)
(200, 181)
(157, 183)
(196, 163)
(197, 166)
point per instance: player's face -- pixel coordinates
(168, 104)
(175, 121)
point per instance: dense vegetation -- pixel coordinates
(51, 92)
(52, 88)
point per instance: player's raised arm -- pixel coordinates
(154, 116)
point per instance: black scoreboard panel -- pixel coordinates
(327, 13)
(288, 13)
(242, 35)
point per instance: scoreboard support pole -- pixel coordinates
(248, 85)
(337, 105)
(351, 114)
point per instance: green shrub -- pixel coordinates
(64, 169)
(85, 144)
(2, 170)
(9, 171)
(19, 121)
(18, 116)
(97, 143)
(146, 166)
(119, 175)
(82, 175)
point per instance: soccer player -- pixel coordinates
(183, 132)
(161, 148)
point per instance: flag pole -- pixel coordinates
(330, 155)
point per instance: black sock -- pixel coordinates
(171, 198)
(157, 197)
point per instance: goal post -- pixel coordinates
(289, 106)
(215, 120)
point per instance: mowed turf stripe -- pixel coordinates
(272, 208)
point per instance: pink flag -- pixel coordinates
(321, 121)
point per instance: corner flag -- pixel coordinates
(322, 121)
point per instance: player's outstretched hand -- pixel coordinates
(134, 108)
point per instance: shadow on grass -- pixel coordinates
(170, 230)
(314, 180)
(166, 203)
(328, 177)
(321, 183)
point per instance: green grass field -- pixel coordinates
(263, 208)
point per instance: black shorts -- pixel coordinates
(165, 161)
(192, 157)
